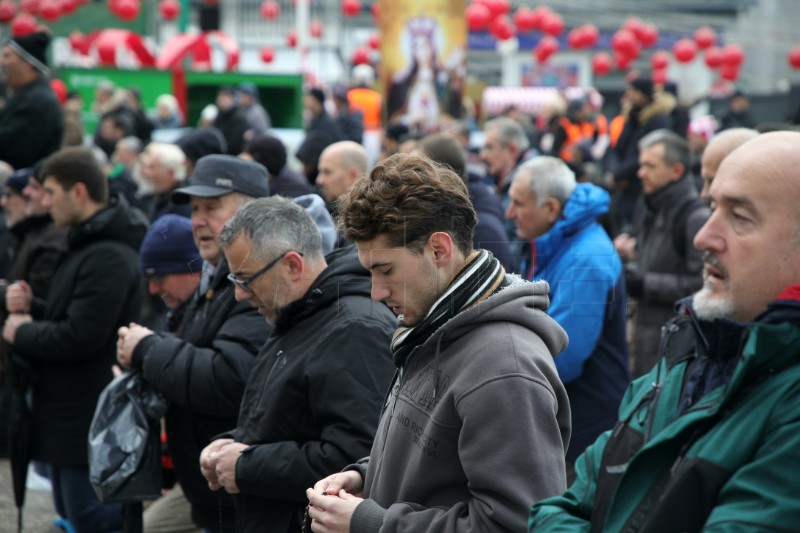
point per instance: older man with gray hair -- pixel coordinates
(504, 148)
(164, 168)
(557, 217)
(312, 402)
(203, 369)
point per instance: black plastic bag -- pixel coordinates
(125, 441)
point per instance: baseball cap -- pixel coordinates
(217, 175)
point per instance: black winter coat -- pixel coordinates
(31, 125)
(72, 341)
(312, 402)
(322, 131)
(233, 125)
(202, 373)
(42, 244)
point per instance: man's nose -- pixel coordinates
(241, 294)
(379, 292)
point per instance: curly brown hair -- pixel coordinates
(408, 198)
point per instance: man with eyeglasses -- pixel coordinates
(202, 370)
(312, 402)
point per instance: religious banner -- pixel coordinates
(423, 60)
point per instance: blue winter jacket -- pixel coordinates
(587, 298)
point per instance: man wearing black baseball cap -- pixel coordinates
(32, 123)
(203, 370)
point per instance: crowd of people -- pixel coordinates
(593, 324)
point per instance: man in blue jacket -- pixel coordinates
(573, 253)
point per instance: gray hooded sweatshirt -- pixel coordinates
(473, 449)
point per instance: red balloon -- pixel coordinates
(684, 50)
(705, 37)
(648, 35)
(478, 16)
(539, 16)
(68, 7)
(575, 38)
(50, 10)
(794, 57)
(23, 24)
(374, 41)
(633, 25)
(376, 12)
(29, 6)
(169, 9)
(660, 76)
(128, 10)
(291, 38)
(503, 28)
(351, 8)
(7, 11)
(729, 72)
(540, 55)
(622, 61)
(525, 19)
(360, 56)
(553, 24)
(590, 35)
(270, 10)
(267, 54)
(733, 55)
(624, 43)
(316, 29)
(546, 48)
(660, 60)
(713, 57)
(601, 63)
(77, 41)
(497, 7)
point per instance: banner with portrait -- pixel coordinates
(423, 60)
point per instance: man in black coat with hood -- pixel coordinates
(70, 338)
(32, 122)
(312, 402)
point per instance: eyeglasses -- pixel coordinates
(244, 284)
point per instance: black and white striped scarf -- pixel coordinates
(478, 277)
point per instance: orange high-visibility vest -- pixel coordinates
(575, 134)
(369, 103)
(602, 124)
(615, 129)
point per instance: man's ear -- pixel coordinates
(80, 192)
(441, 246)
(353, 175)
(677, 171)
(295, 265)
(554, 208)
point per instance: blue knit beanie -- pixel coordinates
(168, 248)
